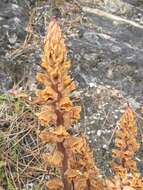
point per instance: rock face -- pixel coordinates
(110, 46)
(13, 19)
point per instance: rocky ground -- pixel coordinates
(105, 40)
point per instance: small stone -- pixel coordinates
(115, 116)
(92, 122)
(1, 18)
(137, 159)
(91, 85)
(99, 132)
(92, 132)
(134, 103)
(105, 147)
(98, 91)
(110, 74)
(122, 111)
(12, 39)
(88, 132)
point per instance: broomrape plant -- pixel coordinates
(58, 113)
(123, 163)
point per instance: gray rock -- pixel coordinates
(13, 20)
(111, 51)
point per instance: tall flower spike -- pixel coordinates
(123, 164)
(57, 108)
(57, 114)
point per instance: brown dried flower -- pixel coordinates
(72, 155)
(124, 164)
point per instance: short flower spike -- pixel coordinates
(126, 145)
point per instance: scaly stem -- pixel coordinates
(61, 148)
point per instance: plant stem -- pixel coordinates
(61, 148)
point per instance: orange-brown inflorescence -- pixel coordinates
(58, 113)
(124, 164)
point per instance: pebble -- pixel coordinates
(105, 147)
(99, 132)
(12, 39)
(92, 85)
(116, 116)
(92, 122)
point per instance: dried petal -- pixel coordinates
(75, 113)
(65, 104)
(71, 174)
(58, 135)
(48, 137)
(128, 188)
(80, 183)
(56, 159)
(47, 115)
(43, 78)
(54, 184)
(75, 144)
(61, 132)
(70, 88)
(48, 94)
